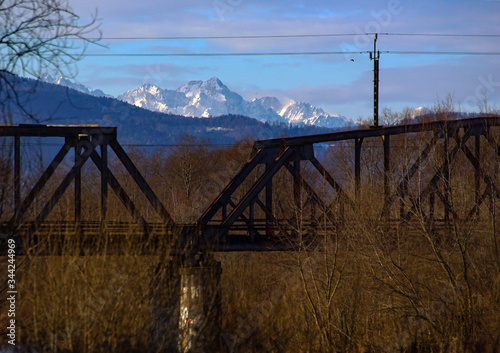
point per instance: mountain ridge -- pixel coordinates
(214, 98)
(52, 103)
(210, 98)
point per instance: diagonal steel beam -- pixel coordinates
(79, 162)
(258, 186)
(118, 189)
(410, 172)
(248, 221)
(446, 202)
(141, 182)
(475, 209)
(262, 156)
(18, 215)
(477, 166)
(439, 174)
(308, 188)
(331, 181)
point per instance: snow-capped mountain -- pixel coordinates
(73, 85)
(305, 113)
(198, 99)
(213, 98)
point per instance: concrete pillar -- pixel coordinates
(200, 317)
(164, 307)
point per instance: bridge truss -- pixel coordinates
(289, 187)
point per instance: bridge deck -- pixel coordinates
(89, 237)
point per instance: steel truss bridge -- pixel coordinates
(289, 187)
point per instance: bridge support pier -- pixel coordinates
(185, 306)
(200, 318)
(164, 307)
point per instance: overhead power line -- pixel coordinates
(395, 52)
(438, 35)
(402, 52)
(232, 54)
(312, 35)
(233, 37)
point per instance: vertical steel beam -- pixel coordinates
(269, 204)
(224, 212)
(141, 182)
(477, 172)
(257, 187)
(446, 173)
(357, 167)
(432, 198)
(120, 191)
(78, 181)
(40, 183)
(297, 185)
(387, 165)
(403, 190)
(17, 173)
(68, 179)
(104, 182)
(251, 223)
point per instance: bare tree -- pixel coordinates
(40, 36)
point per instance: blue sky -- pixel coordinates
(333, 82)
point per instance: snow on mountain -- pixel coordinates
(307, 114)
(421, 111)
(213, 98)
(198, 99)
(156, 99)
(73, 85)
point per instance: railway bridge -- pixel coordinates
(290, 191)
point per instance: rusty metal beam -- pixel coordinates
(261, 156)
(141, 182)
(480, 122)
(17, 173)
(79, 162)
(439, 175)
(258, 186)
(357, 168)
(402, 187)
(268, 209)
(78, 183)
(119, 190)
(18, 215)
(327, 176)
(36, 130)
(104, 181)
(387, 165)
(477, 173)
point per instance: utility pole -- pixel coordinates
(375, 56)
